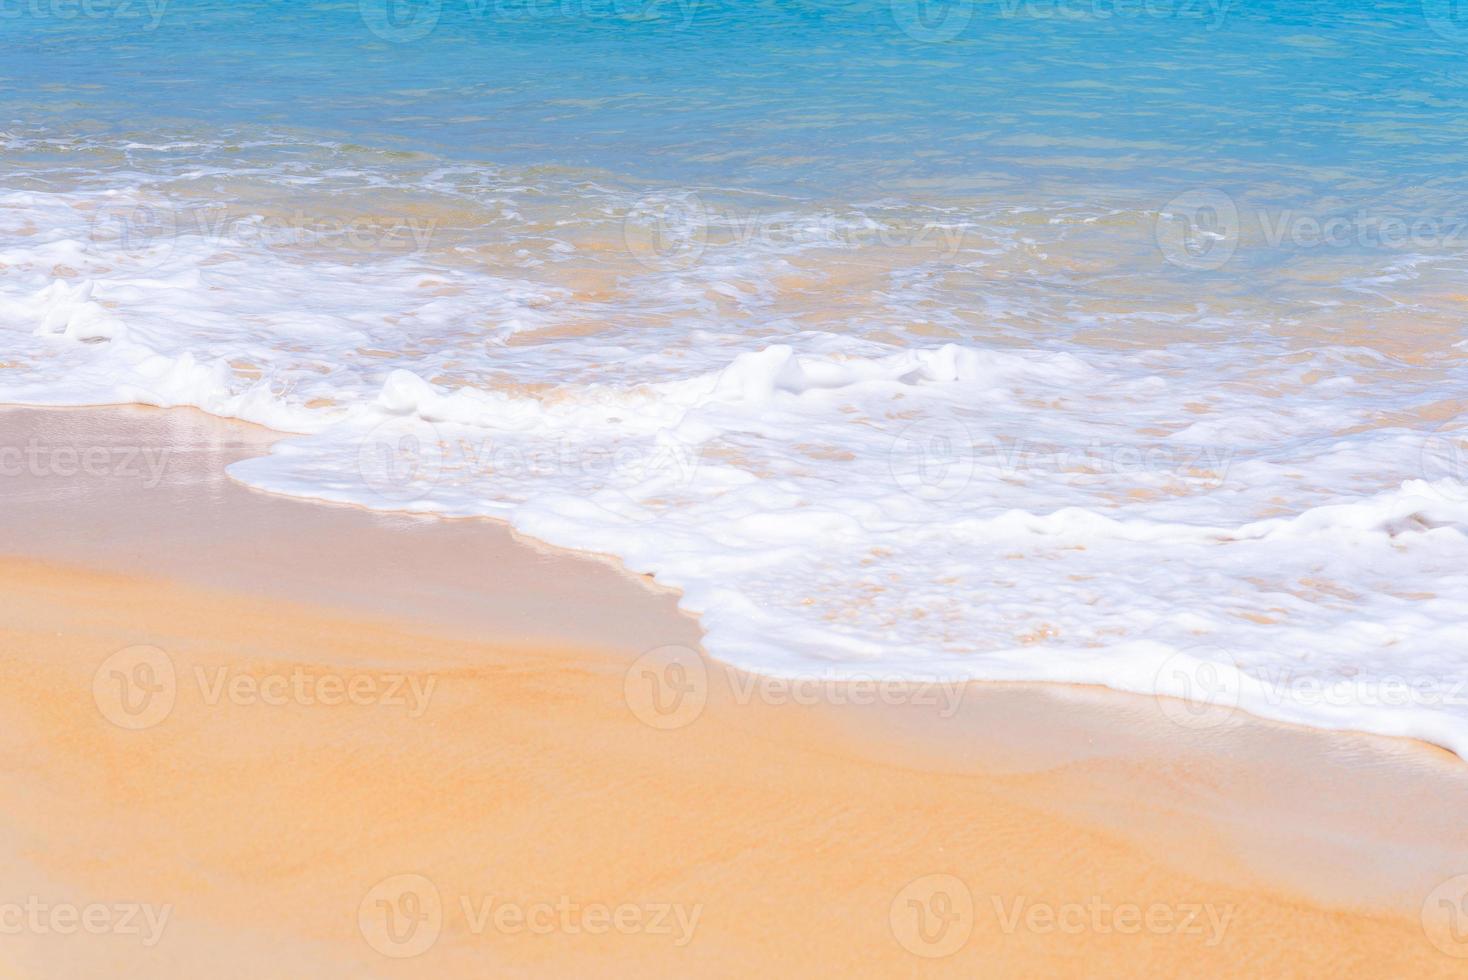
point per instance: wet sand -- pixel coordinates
(251, 736)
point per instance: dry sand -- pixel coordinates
(501, 795)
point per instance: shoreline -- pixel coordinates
(247, 439)
(539, 768)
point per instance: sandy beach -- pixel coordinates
(255, 736)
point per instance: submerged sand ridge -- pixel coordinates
(286, 739)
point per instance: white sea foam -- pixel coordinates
(834, 491)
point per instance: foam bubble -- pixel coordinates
(852, 456)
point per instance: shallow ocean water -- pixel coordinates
(1118, 343)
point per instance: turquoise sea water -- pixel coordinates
(1109, 341)
(803, 96)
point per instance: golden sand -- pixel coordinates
(304, 775)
